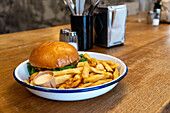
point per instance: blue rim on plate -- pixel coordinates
(70, 90)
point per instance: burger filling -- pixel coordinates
(33, 70)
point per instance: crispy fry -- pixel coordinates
(77, 77)
(72, 83)
(57, 86)
(80, 64)
(84, 85)
(69, 81)
(92, 69)
(115, 66)
(92, 73)
(116, 73)
(61, 79)
(104, 73)
(31, 82)
(62, 86)
(86, 70)
(107, 73)
(100, 67)
(26, 81)
(95, 78)
(33, 76)
(93, 62)
(87, 56)
(100, 82)
(107, 67)
(93, 59)
(110, 62)
(97, 61)
(101, 60)
(68, 71)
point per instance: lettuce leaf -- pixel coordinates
(31, 69)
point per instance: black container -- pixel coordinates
(83, 26)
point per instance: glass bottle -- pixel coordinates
(150, 17)
(144, 7)
(72, 39)
(63, 34)
(156, 18)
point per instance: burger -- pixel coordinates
(54, 56)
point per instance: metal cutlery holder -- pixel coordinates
(110, 25)
(83, 26)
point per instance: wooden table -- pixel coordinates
(145, 89)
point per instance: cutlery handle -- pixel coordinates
(77, 7)
(93, 7)
(82, 3)
(70, 8)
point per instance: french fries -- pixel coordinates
(92, 69)
(70, 83)
(33, 76)
(114, 66)
(93, 62)
(91, 74)
(80, 64)
(101, 82)
(95, 78)
(62, 79)
(110, 62)
(68, 71)
(87, 56)
(108, 68)
(84, 85)
(26, 81)
(31, 82)
(87, 74)
(86, 70)
(116, 74)
(100, 67)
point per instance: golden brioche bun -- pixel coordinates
(53, 54)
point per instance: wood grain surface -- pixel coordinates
(145, 89)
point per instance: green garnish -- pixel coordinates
(31, 69)
(66, 67)
(56, 69)
(82, 60)
(81, 55)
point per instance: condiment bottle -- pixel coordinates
(63, 34)
(150, 17)
(156, 18)
(72, 39)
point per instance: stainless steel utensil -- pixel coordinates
(72, 4)
(93, 6)
(68, 4)
(77, 7)
(86, 7)
(82, 3)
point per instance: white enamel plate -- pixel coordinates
(21, 73)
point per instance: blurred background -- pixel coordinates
(22, 15)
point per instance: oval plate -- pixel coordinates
(21, 73)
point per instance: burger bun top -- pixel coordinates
(53, 54)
